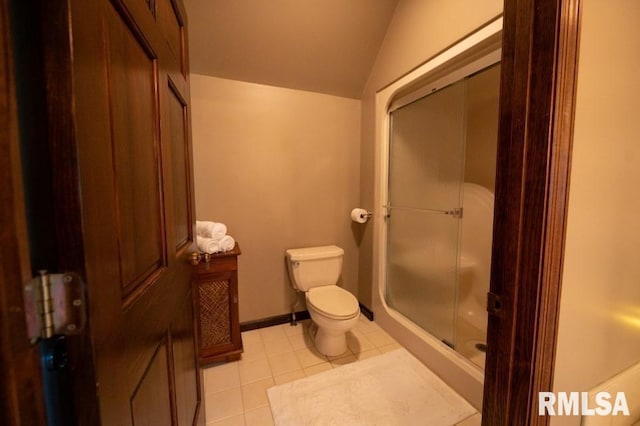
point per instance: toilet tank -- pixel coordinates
(314, 266)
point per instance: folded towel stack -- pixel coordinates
(212, 237)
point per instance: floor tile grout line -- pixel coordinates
(332, 362)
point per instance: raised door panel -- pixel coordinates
(169, 19)
(132, 79)
(187, 377)
(151, 401)
(181, 176)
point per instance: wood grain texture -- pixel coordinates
(21, 401)
(539, 65)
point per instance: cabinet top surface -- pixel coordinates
(234, 252)
(217, 258)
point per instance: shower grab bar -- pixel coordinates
(456, 212)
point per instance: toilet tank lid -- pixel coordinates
(311, 253)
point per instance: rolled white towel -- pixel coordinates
(226, 243)
(207, 245)
(209, 229)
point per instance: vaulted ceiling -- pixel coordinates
(326, 46)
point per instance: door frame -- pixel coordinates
(537, 102)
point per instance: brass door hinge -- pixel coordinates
(54, 305)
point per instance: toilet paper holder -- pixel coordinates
(360, 215)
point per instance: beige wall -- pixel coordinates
(599, 329)
(281, 168)
(418, 30)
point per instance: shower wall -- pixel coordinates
(418, 31)
(483, 90)
(482, 128)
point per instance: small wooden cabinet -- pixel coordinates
(215, 297)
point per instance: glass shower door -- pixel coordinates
(426, 170)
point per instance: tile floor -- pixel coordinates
(235, 392)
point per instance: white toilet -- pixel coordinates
(315, 271)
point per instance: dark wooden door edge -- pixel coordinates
(21, 400)
(63, 152)
(539, 68)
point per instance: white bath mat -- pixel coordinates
(390, 389)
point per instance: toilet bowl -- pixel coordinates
(315, 271)
(334, 315)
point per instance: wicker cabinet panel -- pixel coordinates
(215, 320)
(216, 308)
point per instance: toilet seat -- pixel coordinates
(333, 302)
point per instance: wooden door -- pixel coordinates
(118, 123)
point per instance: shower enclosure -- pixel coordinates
(437, 272)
